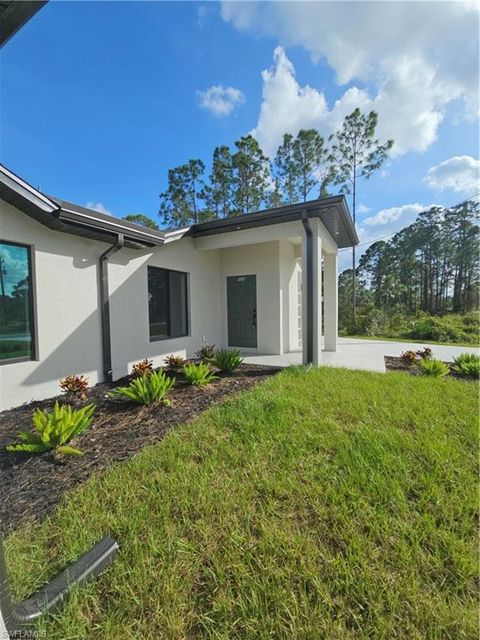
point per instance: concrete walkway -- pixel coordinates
(354, 353)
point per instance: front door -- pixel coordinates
(242, 311)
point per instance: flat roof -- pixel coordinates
(332, 211)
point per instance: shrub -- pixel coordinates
(55, 430)
(448, 328)
(198, 374)
(426, 353)
(206, 353)
(139, 369)
(409, 357)
(175, 363)
(75, 386)
(467, 364)
(435, 368)
(149, 389)
(227, 360)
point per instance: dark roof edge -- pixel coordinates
(14, 15)
(314, 208)
(69, 218)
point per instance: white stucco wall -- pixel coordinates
(68, 322)
(129, 303)
(68, 318)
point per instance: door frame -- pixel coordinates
(227, 342)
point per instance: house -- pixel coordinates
(87, 293)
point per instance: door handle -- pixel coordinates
(254, 317)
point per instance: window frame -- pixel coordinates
(187, 305)
(32, 305)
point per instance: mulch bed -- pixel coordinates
(32, 485)
(394, 363)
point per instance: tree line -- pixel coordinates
(243, 179)
(431, 266)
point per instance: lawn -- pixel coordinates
(330, 504)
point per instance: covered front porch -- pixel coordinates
(278, 274)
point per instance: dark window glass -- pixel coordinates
(16, 320)
(167, 303)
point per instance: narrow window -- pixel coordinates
(167, 303)
(17, 335)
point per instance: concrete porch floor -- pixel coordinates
(354, 353)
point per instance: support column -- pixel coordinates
(312, 292)
(330, 300)
(317, 292)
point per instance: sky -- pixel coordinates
(100, 99)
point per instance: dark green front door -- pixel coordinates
(242, 311)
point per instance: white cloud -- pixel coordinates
(460, 174)
(417, 57)
(386, 216)
(363, 208)
(406, 111)
(220, 100)
(98, 206)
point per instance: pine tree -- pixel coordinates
(251, 175)
(179, 204)
(356, 154)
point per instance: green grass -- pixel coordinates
(413, 340)
(328, 505)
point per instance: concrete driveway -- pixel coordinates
(354, 353)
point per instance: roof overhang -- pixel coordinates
(70, 218)
(332, 211)
(14, 14)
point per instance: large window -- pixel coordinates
(17, 336)
(167, 303)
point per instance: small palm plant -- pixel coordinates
(226, 360)
(434, 368)
(148, 389)
(198, 374)
(467, 364)
(55, 430)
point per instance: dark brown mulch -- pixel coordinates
(394, 363)
(31, 486)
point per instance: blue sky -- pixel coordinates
(100, 99)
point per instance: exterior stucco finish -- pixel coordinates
(68, 318)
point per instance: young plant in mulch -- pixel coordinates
(198, 374)
(141, 368)
(226, 360)
(151, 388)
(54, 430)
(467, 364)
(409, 357)
(75, 387)
(425, 353)
(175, 363)
(206, 353)
(433, 368)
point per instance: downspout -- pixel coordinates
(16, 618)
(105, 308)
(308, 265)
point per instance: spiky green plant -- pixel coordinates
(434, 368)
(149, 389)
(467, 364)
(55, 430)
(226, 360)
(198, 374)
